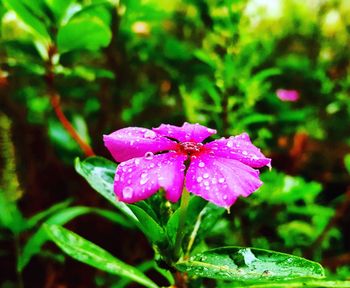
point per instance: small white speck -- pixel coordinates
(127, 192)
(150, 134)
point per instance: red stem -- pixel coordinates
(55, 103)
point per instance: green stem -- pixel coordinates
(194, 232)
(18, 254)
(182, 219)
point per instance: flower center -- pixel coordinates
(190, 148)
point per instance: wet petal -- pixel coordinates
(132, 142)
(221, 180)
(239, 148)
(186, 133)
(139, 178)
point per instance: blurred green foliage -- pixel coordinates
(116, 63)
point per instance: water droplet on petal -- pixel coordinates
(150, 134)
(244, 152)
(143, 181)
(116, 177)
(144, 178)
(205, 175)
(149, 155)
(229, 144)
(130, 170)
(151, 165)
(206, 183)
(224, 197)
(221, 180)
(201, 164)
(127, 192)
(137, 161)
(199, 179)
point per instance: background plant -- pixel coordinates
(73, 70)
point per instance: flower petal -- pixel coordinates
(139, 178)
(287, 95)
(186, 133)
(221, 180)
(132, 142)
(239, 148)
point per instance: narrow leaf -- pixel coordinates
(93, 255)
(148, 225)
(28, 18)
(43, 214)
(33, 245)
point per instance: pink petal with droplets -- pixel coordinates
(139, 178)
(186, 133)
(221, 180)
(128, 143)
(239, 148)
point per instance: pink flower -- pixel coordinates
(170, 157)
(287, 95)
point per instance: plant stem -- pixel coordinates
(18, 254)
(194, 233)
(182, 219)
(55, 103)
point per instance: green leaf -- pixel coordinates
(43, 214)
(93, 255)
(347, 162)
(28, 18)
(144, 267)
(202, 224)
(148, 225)
(249, 264)
(58, 7)
(83, 33)
(33, 245)
(201, 218)
(114, 217)
(10, 216)
(99, 172)
(302, 283)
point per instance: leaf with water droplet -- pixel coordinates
(99, 173)
(249, 264)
